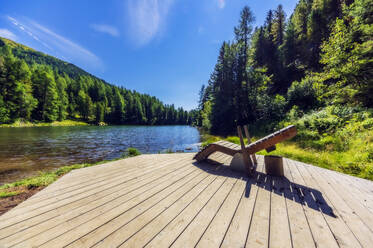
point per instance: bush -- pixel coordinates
(303, 94)
(131, 152)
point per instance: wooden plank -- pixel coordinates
(321, 232)
(52, 219)
(161, 207)
(356, 188)
(73, 229)
(340, 188)
(165, 210)
(78, 182)
(340, 230)
(238, 229)
(344, 213)
(215, 232)
(120, 167)
(153, 229)
(230, 145)
(19, 215)
(126, 229)
(93, 182)
(116, 167)
(102, 170)
(259, 227)
(211, 148)
(175, 227)
(360, 193)
(279, 229)
(190, 236)
(56, 189)
(300, 231)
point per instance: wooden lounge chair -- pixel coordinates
(248, 152)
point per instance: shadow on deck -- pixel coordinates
(312, 198)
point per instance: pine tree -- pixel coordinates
(63, 100)
(348, 54)
(15, 84)
(278, 27)
(290, 57)
(50, 107)
(84, 104)
(258, 53)
(100, 112)
(118, 113)
(4, 112)
(243, 34)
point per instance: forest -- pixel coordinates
(35, 87)
(313, 69)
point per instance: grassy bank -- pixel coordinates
(336, 138)
(46, 178)
(64, 123)
(349, 162)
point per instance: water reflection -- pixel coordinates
(24, 151)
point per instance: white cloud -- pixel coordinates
(57, 43)
(113, 31)
(7, 34)
(201, 29)
(221, 4)
(147, 17)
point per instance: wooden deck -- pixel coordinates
(170, 200)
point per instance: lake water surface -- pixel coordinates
(25, 151)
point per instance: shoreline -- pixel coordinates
(71, 123)
(12, 194)
(65, 123)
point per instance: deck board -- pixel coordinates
(163, 200)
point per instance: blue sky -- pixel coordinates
(165, 48)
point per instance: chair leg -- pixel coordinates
(245, 155)
(248, 142)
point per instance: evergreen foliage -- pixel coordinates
(322, 55)
(39, 88)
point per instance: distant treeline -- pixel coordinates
(38, 87)
(321, 55)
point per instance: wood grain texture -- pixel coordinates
(261, 144)
(172, 200)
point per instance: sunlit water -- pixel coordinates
(25, 151)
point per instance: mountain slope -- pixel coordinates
(40, 88)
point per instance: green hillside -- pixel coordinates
(35, 87)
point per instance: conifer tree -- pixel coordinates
(62, 97)
(278, 27)
(243, 34)
(100, 112)
(50, 101)
(118, 113)
(348, 54)
(4, 112)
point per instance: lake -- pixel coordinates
(25, 151)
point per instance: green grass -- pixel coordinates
(46, 178)
(8, 194)
(208, 139)
(346, 162)
(357, 160)
(336, 137)
(65, 123)
(131, 152)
